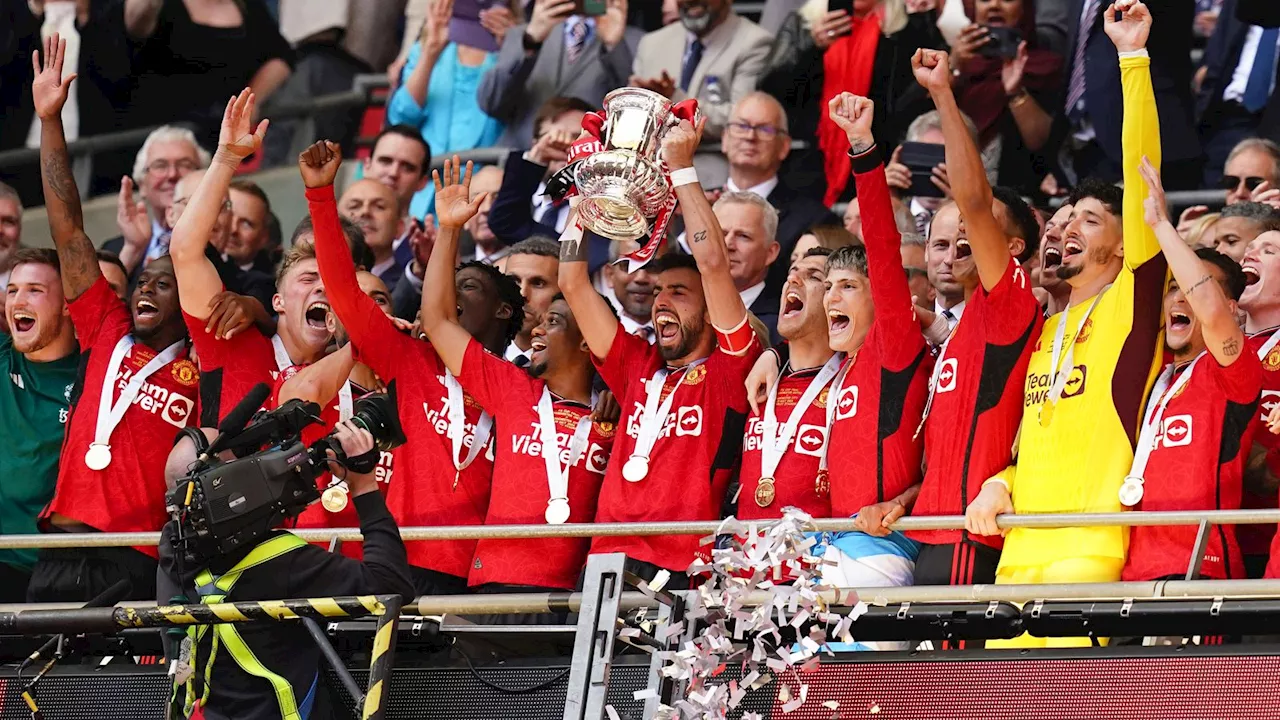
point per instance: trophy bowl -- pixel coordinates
(622, 186)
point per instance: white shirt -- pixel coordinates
(1240, 77)
(763, 189)
(632, 327)
(514, 352)
(750, 295)
(952, 315)
(541, 202)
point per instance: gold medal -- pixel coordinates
(822, 484)
(334, 498)
(765, 492)
(1046, 414)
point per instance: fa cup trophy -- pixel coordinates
(624, 182)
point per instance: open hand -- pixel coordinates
(1266, 195)
(131, 217)
(1013, 69)
(1154, 210)
(611, 27)
(319, 163)
(853, 114)
(435, 29)
(972, 38)
(1130, 32)
(454, 204)
(49, 89)
(664, 85)
(830, 27)
(761, 379)
(230, 314)
(238, 139)
(497, 20)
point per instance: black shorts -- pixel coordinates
(963, 563)
(434, 582)
(81, 574)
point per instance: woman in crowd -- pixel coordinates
(194, 54)
(1008, 98)
(831, 237)
(437, 93)
(818, 54)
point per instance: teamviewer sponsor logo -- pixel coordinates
(947, 375)
(177, 410)
(689, 421)
(1268, 403)
(810, 439)
(847, 403)
(1176, 431)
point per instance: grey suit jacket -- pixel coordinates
(514, 89)
(732, 62)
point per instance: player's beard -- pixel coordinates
(46, 333)
(690, 331)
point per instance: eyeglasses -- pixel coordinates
(163, 167)
(766, 131)
(1231, 182)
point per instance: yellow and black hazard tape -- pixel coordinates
(384, 643)
(249, 611)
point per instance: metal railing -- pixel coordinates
(587, 530)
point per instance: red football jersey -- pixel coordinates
(128, 495)
(795, 479)
(977, 404)
(1256, 539)
(427, 493)
(520, 490)
(1196, 464)
(229, 369)
(696, 451)
(873, 454)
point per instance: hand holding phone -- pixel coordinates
(1002, 43)
(924, 161)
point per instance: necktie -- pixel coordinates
(922, 222)
(692, 57)
(577, 40)
(1264, 68)
(646, 332)
(520, 361)
(549, 214)
(1075, 90)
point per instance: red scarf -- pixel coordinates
(846, 67)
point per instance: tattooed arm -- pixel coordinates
(61, 197)
(595, 319)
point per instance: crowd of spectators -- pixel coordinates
(1019, 129)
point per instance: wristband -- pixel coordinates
(364, 463)
(1140, 52)
(1002, 481)
(683, 176)
(737, 340)
(529, 43)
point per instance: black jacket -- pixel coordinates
(794, 75)
(286, 648)
(1264, 13)
(797, 213)
(252, 283)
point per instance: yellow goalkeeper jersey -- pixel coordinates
(1075, 459)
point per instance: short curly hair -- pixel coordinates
(508, 292)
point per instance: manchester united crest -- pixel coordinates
(185, 372)
(1272, 363)
(696, 375)
(1085, 331)
(605, 428)
(822, 398)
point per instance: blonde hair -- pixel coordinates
(833, 237)
(893, 14)
(1199, 227)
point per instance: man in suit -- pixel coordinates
(1236, 79)
(167, 155)
(712, 54)
(750, 227)
(1265, 14)
(556, 54)
(1094, 106)
(756, 142)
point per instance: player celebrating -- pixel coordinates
(973, 411)
(447, 467)
(1092, 365)
(136, 387)
(787, 431)
(231, 364)
(878, 401)
(1261, 303)
(550, 456)
(1198, 426)
(683, 398)
(39, 357)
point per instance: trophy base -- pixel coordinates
(620, 192)
(612, 218)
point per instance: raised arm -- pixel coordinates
(359, 314)
(198, 280)
(432, 41)
(439, 296)
(969, 185)
(1222, 336)
(320, 381)
(1140, 132)
(706, 238)
(595, 319)
(76, 254)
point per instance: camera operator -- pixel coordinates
(281, 566)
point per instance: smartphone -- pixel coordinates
(591, 8)
(1004, 43)
(845, 5)
(921, 159)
